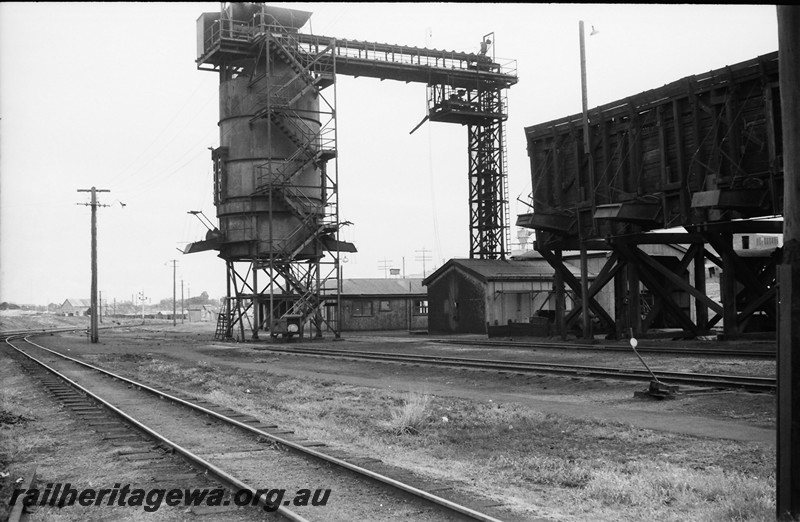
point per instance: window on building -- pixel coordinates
(386, 306)
(362, 308)
(420, 307)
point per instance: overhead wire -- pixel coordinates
(437, 244)
(138, 182)
(145, 184)
(121, 173)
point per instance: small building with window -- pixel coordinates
(75, 307)
(493, 296)
(383, 304)
(202, 313)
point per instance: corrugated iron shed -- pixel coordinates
(382, 287)
(78, 303)
(497, 269)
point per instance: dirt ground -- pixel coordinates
(558, 448)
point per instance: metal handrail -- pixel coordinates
(264, 24)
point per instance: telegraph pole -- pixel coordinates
(788, 439)
(587, 151)
(93, 331)
(174, 297)
(423, 257)
(385, 264)
(142, 298)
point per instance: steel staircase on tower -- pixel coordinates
(314, 146)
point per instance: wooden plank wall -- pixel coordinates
(719, 130)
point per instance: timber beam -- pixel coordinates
(575, 285)
(629, 212)
(759, 285)
(671, 284)
(651, 273)
(607, 273)
(750, 226)
(571, 244)
(558, 223)
(657, 238)
(729, 199)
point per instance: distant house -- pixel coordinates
(472, 295)
(383, 304)
(168, 314)
(203, 313)
(75, 307)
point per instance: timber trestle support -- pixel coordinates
(655, 281)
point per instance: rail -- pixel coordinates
(231, 481)
(216, 472)
(756, 384)
(720, 351)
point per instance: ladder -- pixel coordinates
(222, 326)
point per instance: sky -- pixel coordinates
(109, 95)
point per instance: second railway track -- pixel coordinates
(245, 454)
(722, 381)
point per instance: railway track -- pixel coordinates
(754, 384)
(10, 334)
(241, 452)
(768, 352)
(150, 464)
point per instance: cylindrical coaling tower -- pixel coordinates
(256, 147)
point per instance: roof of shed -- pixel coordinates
(78, 302)
(496, 269)
(378, 286)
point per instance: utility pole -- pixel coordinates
(142, 298)
(385, 264)
(587, 151)
(182, 309)
(788, 433)
(423, 257)
(93, 330)
(174, 296)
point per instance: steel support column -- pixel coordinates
(488, 198)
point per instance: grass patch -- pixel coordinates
(15, 439)
(714, 495)
(539, 464)
(411, 416)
